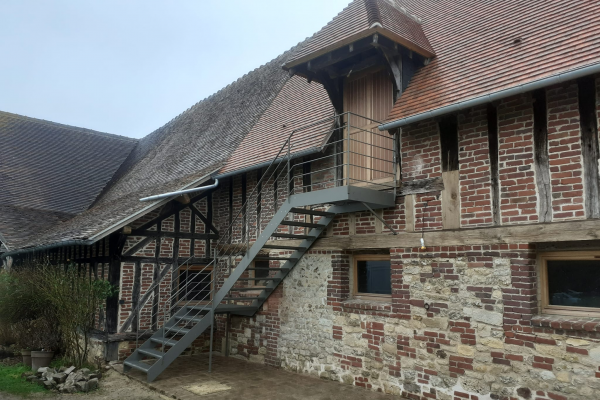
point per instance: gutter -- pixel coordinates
(46, 247)
(488, 98)
(181, 192)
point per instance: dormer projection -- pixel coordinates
(366, 35)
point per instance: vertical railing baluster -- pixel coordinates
(347, 117)
(288, 168)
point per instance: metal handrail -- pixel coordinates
(251, 220)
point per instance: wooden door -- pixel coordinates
(369, 96)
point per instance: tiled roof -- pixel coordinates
(298, 104)
(54, 167)
(359, 19)
(196, 143)
(486, 46)
(18, 224)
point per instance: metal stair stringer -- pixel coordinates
(344, 200)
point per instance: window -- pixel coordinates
(372, 277)
(194, 283)
(261, 273)
(570, 283)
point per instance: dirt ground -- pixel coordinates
(113, 386)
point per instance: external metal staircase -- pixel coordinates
(280, 233)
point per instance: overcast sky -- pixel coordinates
(129, 66)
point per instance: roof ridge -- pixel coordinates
(404, 11)
(69, 127)
(373, 14)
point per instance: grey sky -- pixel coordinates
(129, 66)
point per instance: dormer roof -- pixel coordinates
(360, 19)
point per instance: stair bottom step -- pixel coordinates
(139, 365)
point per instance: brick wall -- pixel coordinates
(474, 167)
(564, 147)
(518, 195)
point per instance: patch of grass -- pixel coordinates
(12, 383)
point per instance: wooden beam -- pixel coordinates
(542, 162)
(138, 246)
(409, 212)
(589, 145)
(166, 260)
(492, 117)
(422, 186)
(359, 66)
(341, 54)
(180, 235)
(450, 201)
(536, 233)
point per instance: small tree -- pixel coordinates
(75, 299)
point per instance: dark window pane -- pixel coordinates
(574, 283)
(374, 277)
(194, 285)
(261, 273)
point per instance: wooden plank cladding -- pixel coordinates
(370, 95)
(450, 195)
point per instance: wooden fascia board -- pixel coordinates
(360, 35)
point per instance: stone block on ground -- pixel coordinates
(61, 377)
(69, 370)
(93, 384)
(82, 386)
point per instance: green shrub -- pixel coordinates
(74, 298)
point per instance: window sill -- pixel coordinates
(568, 323)
(358, 305)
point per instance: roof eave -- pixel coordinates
(375, 28)
(498, 95)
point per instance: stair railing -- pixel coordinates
(350, 155)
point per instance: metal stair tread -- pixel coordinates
(242, 289)
(189, 318)
(225, 308)
(151, 352)
(289, 236)
(269, 258)
(297, 210)
(274, 246)
(167, 342)
(242, 298)
(139, 365)
(179, 331)
(302, 224)
(260, 279)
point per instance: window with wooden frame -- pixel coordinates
(372, 279)
(194, 283)
(570, 283)
(263, 272)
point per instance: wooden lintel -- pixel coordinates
(537, 233)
